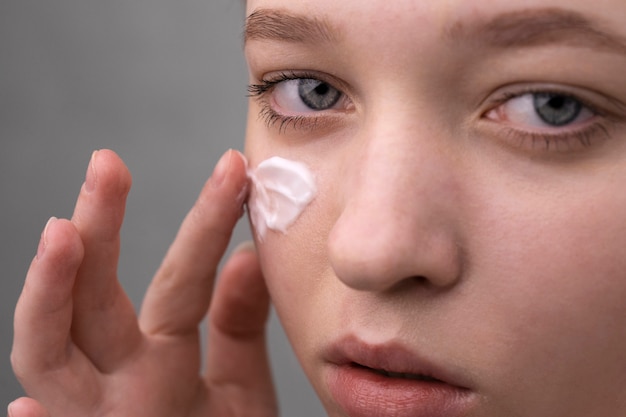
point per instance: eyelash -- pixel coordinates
(569, 139)
(270, 116)
(549, 142)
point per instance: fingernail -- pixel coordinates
(243, 157)
(90, 179)
(9, 412)
(43, 242)
(243, 195)
(245, 189)
(247, 246)
(219, 173)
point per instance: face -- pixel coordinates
(465, 254)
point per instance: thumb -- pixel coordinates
(237, 359)
(26, 407)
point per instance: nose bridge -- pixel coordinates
(403, 171)
(397, 162)
(396, 222)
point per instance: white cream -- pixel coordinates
(280, 191)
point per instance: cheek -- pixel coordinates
(293, 276)
(297, 271)
(550, 276)
(565, 250)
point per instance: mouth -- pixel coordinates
(400, 375)
(391, 380)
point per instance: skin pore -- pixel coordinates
(469, 159)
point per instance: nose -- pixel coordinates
(399, 218)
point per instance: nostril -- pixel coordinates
(413, 283)
(431, 282)
(420, 280)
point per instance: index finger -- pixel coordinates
(180, 293)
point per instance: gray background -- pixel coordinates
(161, 82)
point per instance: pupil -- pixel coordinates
(556, 109)
(557, 102)
(322, 89)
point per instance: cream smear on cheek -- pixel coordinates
(280, 191)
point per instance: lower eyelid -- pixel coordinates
(568, 141)
(314, 122)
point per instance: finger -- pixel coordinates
(43, 315)
(43, 356)
(237, 360)
(180, 293)
(105, 324)
(26, 407)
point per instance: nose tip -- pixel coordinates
(383, 256)
(399, 207)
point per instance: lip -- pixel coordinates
(410, 385)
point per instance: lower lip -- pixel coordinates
(363, 393)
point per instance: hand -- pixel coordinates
(79, 348)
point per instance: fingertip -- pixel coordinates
(26, 407)
(238, 166)
(243, 263)
(92, 175)
(225, 191)
(110, 164)
(43, 241)
(108, 173)
(51, 276)
(99, 211)
(241, 158)
(62, 242)
(245, 247)
(232, 165)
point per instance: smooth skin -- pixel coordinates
(79, 347)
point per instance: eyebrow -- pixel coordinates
(278, 25)
(529, 28)
(524, 28)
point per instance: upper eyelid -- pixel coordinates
(273, 78)
(595, 109)
(600, 104)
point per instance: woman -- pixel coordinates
(462, 254)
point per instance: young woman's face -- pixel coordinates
(465, 254)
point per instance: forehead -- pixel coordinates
(392, 29)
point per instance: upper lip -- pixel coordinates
(390, 358)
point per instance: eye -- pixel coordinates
(302, 95)
(542, 110)
(301, 101)
(544, 118)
